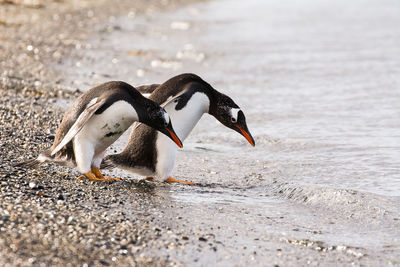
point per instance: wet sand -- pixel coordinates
(288, 201)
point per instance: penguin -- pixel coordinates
(95, 121)
(186, 98)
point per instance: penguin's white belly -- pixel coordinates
(183, 121)
(101, 130)
(166, 154)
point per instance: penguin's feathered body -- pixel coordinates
(95, 121)
(186, 98)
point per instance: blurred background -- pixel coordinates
(319, 82)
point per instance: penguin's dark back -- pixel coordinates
(174, 86)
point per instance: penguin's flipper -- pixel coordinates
(173, 180)
(147, 88)
(179, 100)
(77, 126)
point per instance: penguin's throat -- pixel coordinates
(185, 120)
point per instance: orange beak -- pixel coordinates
(175, 138)
(246, 135)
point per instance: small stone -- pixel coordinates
(104, 262)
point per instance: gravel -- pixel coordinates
(46, 215)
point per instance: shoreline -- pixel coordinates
(265, 209)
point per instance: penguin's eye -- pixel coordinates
(165, 124)
(233, 120)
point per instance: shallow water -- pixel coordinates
(319, 82)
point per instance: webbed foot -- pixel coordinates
(173, 180)
(99, 175)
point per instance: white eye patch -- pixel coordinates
(235, 113)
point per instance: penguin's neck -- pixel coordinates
(185, 119)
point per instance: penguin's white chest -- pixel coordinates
(101, 130)
(183, 121)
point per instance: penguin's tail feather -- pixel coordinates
(29, 164)
(35, 163)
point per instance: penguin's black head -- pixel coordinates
(230, 115)
(157, 118)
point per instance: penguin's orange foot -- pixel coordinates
(99, 175)
(173, 180)
(91, 177)
(149, 178)
(112, 178)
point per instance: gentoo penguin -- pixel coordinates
(186, 98)
(95, 121)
